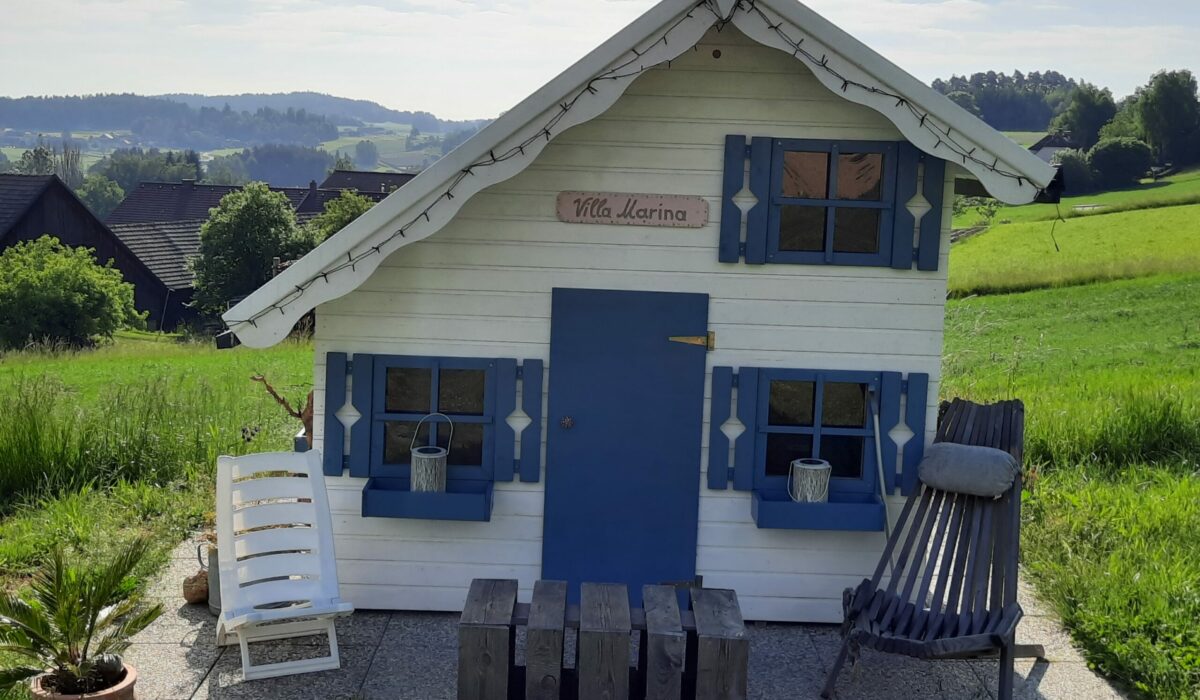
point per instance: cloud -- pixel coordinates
(472, 58)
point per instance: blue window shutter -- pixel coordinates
(360, 397)
(531, 404)
(760, 185)
(729, 249)
(906, 188)
(889, 416)
(744, 446)
(914, 416)
(506, 402)
(931, 223)
(718, 443)
(335, 397)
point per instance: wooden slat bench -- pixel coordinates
(700, 653)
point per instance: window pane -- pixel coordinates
(802, 228)
(790, 403)
(860, 176)
(844, 405)
(461, 391)
(844, 454)
(408, 390)
(782, 448)
(856, 230)
(397, 440)
(805, 175)
(467, 447)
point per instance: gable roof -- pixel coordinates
(1055, 140)
(17, 194)
(927, 119)
(365, 182)
(182, 201)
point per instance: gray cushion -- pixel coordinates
(979, 471)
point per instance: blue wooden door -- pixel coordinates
(623, 453)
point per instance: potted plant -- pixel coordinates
(72, 626)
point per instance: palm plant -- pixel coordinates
(74, 623)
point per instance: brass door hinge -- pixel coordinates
(708, 341)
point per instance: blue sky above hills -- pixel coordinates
(475, 58)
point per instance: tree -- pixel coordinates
(1120, 162)
(226, 170)
(5, 164)
(1126, 122)
(49, 291)
(1169, 113)
(965, 100)
(339, 212)
(342, 162)
(100, 194)
(38, 160)
(238, 244)
(366, 155)
(1076, 169)
(67, 164)
(1088, 109)
(130, 166)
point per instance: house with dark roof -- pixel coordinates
(1050, 144)
(189, 200)
(365, 182)
(35, 205)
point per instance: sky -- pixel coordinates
(475, 58)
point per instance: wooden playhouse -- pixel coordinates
(714, 245)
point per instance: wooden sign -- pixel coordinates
(671, 210)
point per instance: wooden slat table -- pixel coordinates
(697, 653)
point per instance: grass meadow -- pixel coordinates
(1022, 256)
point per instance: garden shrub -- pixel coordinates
(50, 291)
(1120, 162)
(1077, 171)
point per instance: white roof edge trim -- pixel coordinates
(268, 314)
(687, 19)
(857, 61)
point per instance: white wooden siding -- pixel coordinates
(481, 287)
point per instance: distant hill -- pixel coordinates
(340, 110)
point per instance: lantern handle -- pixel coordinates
(413, 445)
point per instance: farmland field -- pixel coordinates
(1025, 138)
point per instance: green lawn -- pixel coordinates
(1025, 138)
(1022, 256)
(1174, 189)
(1110, 374)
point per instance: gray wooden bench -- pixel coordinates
(698, 653)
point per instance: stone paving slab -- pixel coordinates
(414, 656)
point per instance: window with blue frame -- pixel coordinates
(821, 414)
(408, 389)
(831, 202)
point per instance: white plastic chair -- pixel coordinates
(275, 549)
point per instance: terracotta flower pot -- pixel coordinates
(120, 691)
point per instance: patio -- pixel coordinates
(406, 655)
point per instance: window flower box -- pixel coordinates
(775, 510)
(394, 498)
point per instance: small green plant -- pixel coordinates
(75, 622)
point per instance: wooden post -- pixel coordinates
(722, 649)
(544, 641)
(486, 640)
(663, 645)
(604, 629)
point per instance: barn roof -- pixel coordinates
(182, 201)
(365, 182)
(166, 247)
(17, 194)
(508, 145)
